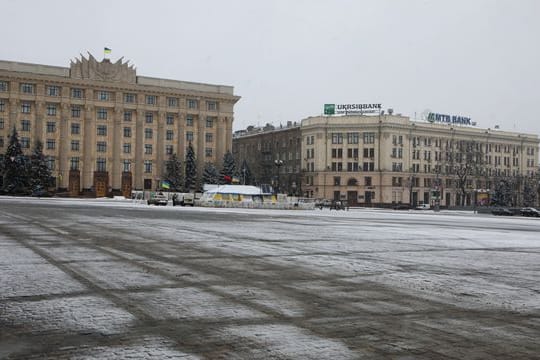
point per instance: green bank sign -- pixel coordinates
(352, 109)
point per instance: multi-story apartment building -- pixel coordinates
(106, 129)
(385, 159)
(273, 156)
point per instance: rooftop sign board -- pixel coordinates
(352, 109)
(447, 119)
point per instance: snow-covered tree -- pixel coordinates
(190, 183)
(228, 171)
(174, 173)
(530, 191)
(210, 174)
(465, 163)
(40, 174)
(502, 192)
(16, 179)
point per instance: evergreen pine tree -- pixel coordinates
(229, 168)
(174, 173)
(530, 191)
(502, 194)
(191, 170)
(40, 174)
(16, 180)
(210, 174)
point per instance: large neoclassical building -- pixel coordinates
(387, 159)
(106, 129)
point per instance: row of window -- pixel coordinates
(352, 138)
(104, 95)
(337, 153)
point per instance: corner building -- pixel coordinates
(107, 130)
(381, 160)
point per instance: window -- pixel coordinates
(208, 152)
(3, 86)
(75, 146)
(25, 142)
(127, 132)
(52, 90)
(189, 136)
(103, 95)
(147, 166)
(337, 153)
(337, 180)
(2, 105)
(169, 135)
(189, 120)
(352, 166)
(352, 153)
(101, 146)
(25, 125)
(76, 111)
(127, 115)
(352, 138)
(397, 166)
(211, 106)
(50, 163)
(126, 165)
(1, 142)
(26, 108)
(170, 119)
(127, 148)
(369, 138)
(368, 166)
(102, 130)
(75, 128)
(192, 104)
(337, 138)
(51, 126)
(101, 164)
(27, 88)
(172, 102)
(209, 137)
(367, 181)
(168, 149)
(129, 98)
(50, 144)
(1, 123)
(209, 122)
(369, 152)
(148, 149)
(149, 118)
(148, 133)
(151, 100)
(74, 163)
(76, 93)
(51, 110)
(102, 114)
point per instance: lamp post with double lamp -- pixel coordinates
(278, 163)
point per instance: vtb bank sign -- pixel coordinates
(352, 109)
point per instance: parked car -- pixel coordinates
(320, 203)
(423, 207)
(158, 199)
(502, 212)
(339, 205)
(184, 199)
(401, 206)
(41, 192)
(529, 211)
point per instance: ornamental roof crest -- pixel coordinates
(104, 70)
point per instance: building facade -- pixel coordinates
(381, 160)
(106, 129)
(273, 156)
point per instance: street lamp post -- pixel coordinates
(278, 163)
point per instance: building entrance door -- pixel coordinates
(352, 198)
(367, 197)
(414, 199)
(101, 183)
(126, 184)
(74, 185)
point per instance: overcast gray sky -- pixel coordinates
(286, 58)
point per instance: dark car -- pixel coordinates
(529, 211)
(40, 192)
(502, 212)
(401, 207)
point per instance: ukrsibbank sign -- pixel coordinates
(352, 109)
